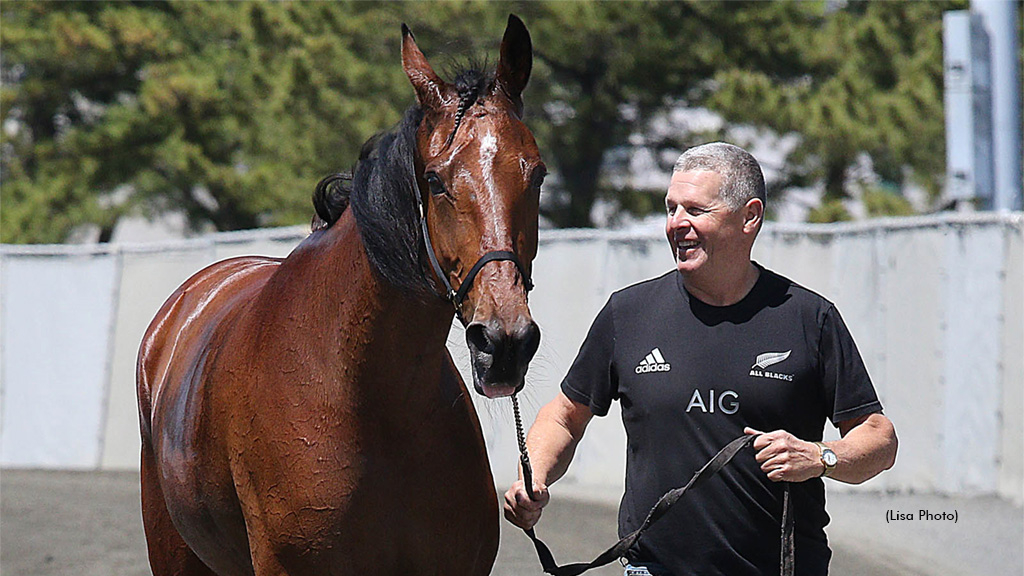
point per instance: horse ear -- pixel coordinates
(516, 60)
(430, 89)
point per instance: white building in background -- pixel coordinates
(983, 106)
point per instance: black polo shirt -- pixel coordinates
(689, 377)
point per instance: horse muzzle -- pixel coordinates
(500, 354)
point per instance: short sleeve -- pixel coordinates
(849, 392)
(591, 379)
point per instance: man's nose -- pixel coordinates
(678, 220)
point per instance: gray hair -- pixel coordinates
(742, 178)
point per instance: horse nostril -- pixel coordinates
(528, 339)
(479, 338)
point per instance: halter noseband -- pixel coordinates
(451, 295)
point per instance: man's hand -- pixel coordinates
(551, 441)
(786, 458)
(520, 509)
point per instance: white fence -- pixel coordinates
(936, 305)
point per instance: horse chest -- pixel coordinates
(373, 486)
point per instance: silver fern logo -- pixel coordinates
(767, 359)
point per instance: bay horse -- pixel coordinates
(303, 415)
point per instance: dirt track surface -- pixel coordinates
(89, 524)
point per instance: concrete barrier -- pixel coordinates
(936, 305)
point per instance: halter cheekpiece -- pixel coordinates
(456, 297)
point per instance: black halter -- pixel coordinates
(451, 295)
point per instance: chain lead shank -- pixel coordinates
(524, 456)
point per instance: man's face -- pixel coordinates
(703, 231)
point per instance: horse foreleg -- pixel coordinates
(169, 555)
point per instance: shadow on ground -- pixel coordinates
(89, 524)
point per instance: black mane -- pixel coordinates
(381, 189)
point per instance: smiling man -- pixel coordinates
(717, 348)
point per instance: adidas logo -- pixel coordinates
(654, 362)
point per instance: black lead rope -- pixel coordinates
(714, 466)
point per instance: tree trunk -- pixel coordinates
(578, 155)
(835, 177)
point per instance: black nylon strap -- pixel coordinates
(715, 465)
(491, 257)
(787, 564)
(450, 294)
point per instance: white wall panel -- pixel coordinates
(147, 280)
(912, 264)
(1011, 469)
(935, 304)
(971, 357)
(56, 318)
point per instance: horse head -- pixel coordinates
(479, 174)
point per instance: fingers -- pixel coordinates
(784, 457)
(770, 444)
(761, 441)
(777, 469)
(520, 509)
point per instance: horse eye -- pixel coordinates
(436, 186)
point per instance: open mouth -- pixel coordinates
(682, 247)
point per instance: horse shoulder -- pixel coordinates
(186, 322)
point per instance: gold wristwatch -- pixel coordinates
(828, 459)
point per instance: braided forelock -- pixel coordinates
(470, 84)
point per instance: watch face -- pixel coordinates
(830, 458)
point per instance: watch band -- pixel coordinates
(828, 459)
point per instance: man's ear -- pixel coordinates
(753, 215)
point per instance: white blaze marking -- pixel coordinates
(488, 152)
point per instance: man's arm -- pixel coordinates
(551, 442)
(867, 448)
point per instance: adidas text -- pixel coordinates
(654, 362)
(644, 368)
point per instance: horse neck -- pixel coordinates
(384, 338)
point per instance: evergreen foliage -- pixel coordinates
(865, 79)
(231, 111)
